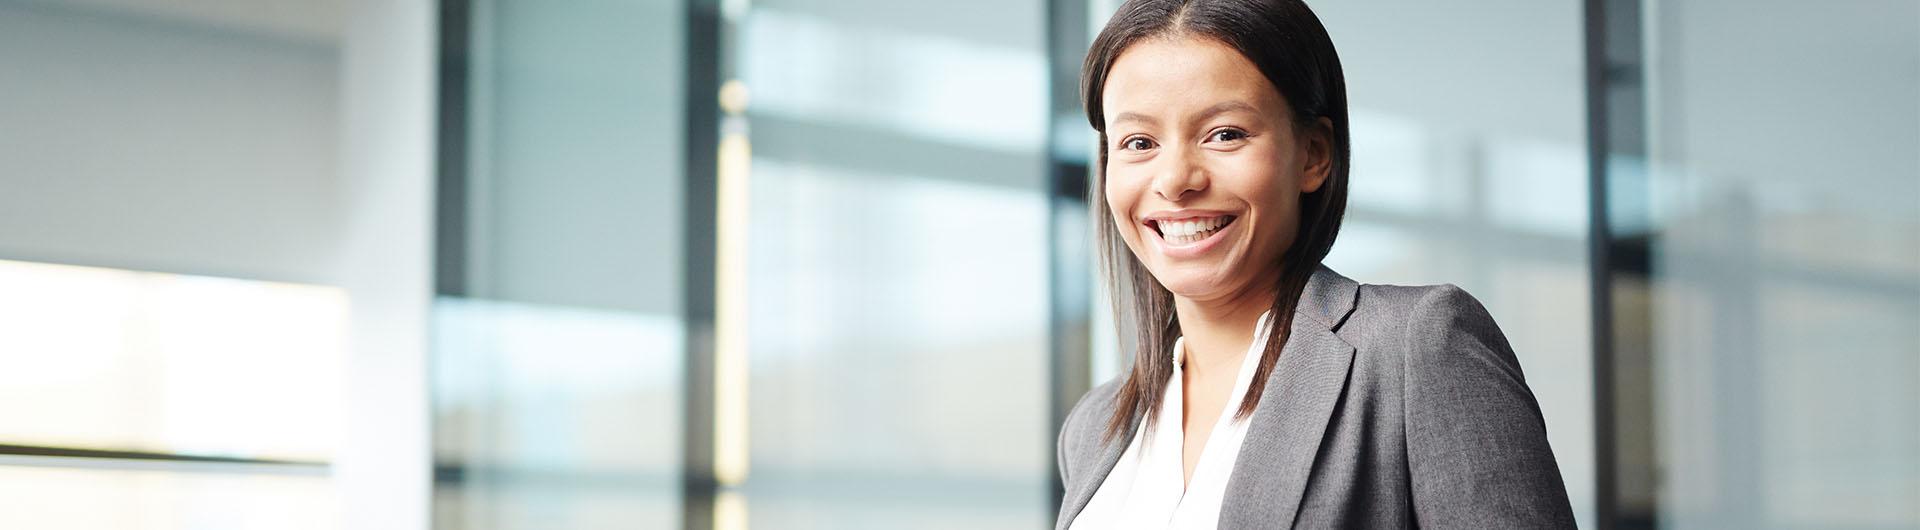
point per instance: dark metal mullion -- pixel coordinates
(1599, 236)
(451, 213)
(699, 485)
(450, 195)
(1620, 244)
(1068, 278)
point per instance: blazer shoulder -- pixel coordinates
(1433, 328)
(1426, 318)
(1477, 451)
(1405, 298)
(1381, 307)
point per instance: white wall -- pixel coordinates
(383, 472)
(257, 144)
(151, 144)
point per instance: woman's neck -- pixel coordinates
(1217, 333)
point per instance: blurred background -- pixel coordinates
(492, 264)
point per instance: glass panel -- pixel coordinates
(168, 363)
(898, 372)
(1470, 167)
(555, 417)
(1785, 201)
(558, 347)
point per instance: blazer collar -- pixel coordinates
(1329, 298)
(1288, 423)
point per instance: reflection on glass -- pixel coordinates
(139, 361)
(1785, 201)
(557, 338)
(974, 92)
(893, 359)
(555, 417)
(897, 266)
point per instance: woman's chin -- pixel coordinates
(1192, 284)
(1213, 281)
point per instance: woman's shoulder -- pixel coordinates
(1405, 298)
(1349, 306)
(1417, 308)
(1473, 429)
(1437, 328)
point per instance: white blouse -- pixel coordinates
(1144, 488)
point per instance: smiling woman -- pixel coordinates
(1268, 390)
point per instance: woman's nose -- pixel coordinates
(1182, 175)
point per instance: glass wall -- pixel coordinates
(557, 337)
(1783, 210)
(853, 292)
(883, 267)
(895, 277)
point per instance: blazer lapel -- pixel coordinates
(1270, 474)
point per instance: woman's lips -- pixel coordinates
(1189, 236)
(1190, 230)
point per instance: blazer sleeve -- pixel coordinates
(1477, 447)
(1060, 445)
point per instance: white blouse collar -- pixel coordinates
(1145, 489)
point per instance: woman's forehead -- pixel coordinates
(1170, 77)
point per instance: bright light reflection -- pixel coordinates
(116, 359)
(822, 71)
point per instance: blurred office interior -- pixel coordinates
(495, 264)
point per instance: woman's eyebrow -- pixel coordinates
(1223, 108)
(1133, 117)
(1204, 115)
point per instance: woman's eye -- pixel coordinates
(1228, 135)
(1137, 144)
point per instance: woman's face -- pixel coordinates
(1204, 169)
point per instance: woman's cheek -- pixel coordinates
(1120, 199)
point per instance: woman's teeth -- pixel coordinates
(1188, 231)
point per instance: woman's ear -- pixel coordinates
(1319, 151)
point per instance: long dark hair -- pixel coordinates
(1287, 43)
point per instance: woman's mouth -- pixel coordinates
(1191, 230)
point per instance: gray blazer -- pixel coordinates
(1391, 407)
